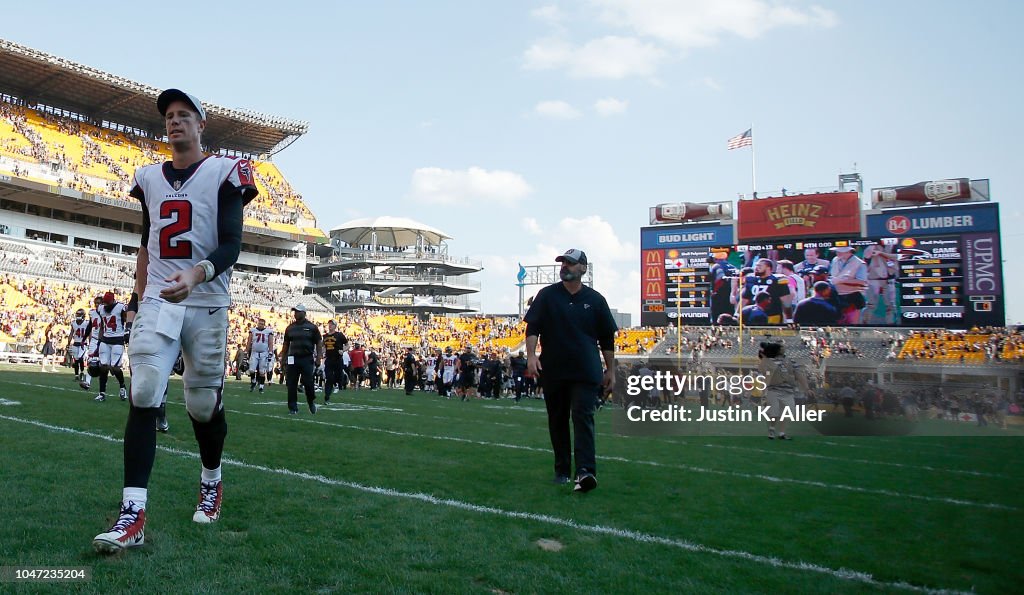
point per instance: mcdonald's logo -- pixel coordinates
(654, 290)
(652, 273)
(653, 257)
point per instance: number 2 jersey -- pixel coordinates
(187, 212)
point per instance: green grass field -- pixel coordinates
(381, 492)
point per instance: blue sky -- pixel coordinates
(523, 129)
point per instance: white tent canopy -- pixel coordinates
(391, 232)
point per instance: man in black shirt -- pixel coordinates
(373, 368)
(301, 352)
(817, 310)
(466, 367)
(490, 377)
(518, 365)
(571, 320)
(334, 344)
(410, 370)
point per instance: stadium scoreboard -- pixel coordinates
(944, 276)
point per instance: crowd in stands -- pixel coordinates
(977, 345)
(88, 158)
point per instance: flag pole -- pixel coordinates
(739, 356)
(753, 162)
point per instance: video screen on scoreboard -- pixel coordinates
(928, 281)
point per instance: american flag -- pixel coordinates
(741, 140)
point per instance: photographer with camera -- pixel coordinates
(786, 379)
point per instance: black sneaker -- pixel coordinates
(784, 437)
(585, 482)
(293, 412)
(560, 479)
(312, 407)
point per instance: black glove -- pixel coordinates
(127, 331)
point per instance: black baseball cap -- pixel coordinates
(573, 256)
(171, 95)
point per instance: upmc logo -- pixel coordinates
(898, 225)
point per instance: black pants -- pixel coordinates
(303, 367)
(410, 382)
(520, 385)
(332, 375)
(578, 400)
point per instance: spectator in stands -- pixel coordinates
(571, 365)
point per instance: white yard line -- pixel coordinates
(637, 536)
(858, 461)
(756, 476)
(691, 468)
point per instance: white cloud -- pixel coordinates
(609, 57)
(531, 226)
(556, 110)
(474, 185)
(711, 83)
(549, 14)
(610, 106)
(702, 23)
(615, 264)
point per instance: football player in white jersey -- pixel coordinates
(78, 341)
(92, 353)
(258, 350)
(431, 368)
(191, 237)
(111, 344)
(449, 361)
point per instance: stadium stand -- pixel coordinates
(91, 159)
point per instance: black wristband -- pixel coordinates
(133, 304)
